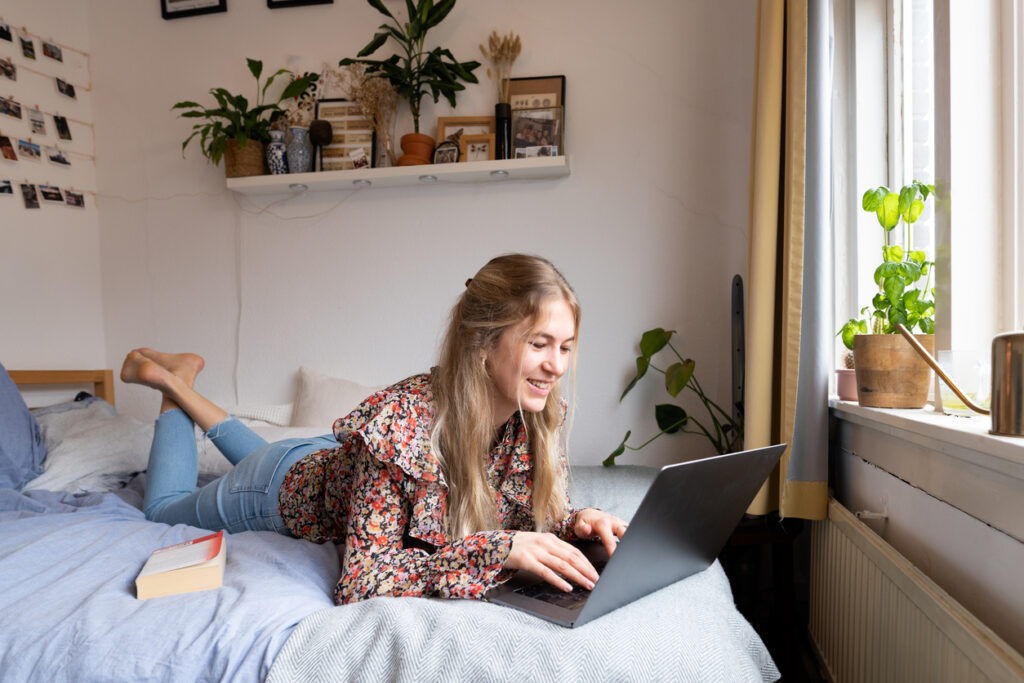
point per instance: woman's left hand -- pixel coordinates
(592, 522)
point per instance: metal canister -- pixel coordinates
(1008, 384)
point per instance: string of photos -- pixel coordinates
(39, 121)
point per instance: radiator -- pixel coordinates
(875, 617)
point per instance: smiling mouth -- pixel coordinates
(537, 384)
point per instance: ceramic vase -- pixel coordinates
(277, 160)
(418, 149)
(300, 151)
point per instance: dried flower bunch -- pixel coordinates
(377, 99)
(503, 53)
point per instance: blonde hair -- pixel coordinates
(509, 290)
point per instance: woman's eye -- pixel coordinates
(537, 345)
(566, 349)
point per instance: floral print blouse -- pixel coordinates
(383, 494)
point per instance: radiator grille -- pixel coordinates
(875, 617)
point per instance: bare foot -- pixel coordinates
(138, 369)
(184, 365)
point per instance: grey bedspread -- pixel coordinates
(689, 631)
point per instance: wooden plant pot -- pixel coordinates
(890, 373)
(418, 149)
(243, 160)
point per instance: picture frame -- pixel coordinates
(446, 152)
(536, 92)
(470, 125)
(351, 131)
(178, 9)
(478, 147)
(278, 4)
(537, 132)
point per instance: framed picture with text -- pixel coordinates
(534, 93)
(353, 140)
(176, 9)
(277, 4)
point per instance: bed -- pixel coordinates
(72, 539)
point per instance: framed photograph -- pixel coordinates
(51, 193)
(74, 199)
(275, 4)
(448, 126)
(537, 132)
(5, 32)
(65, 88)
(56, 156)
(5, 187)
(10, 107)
(53, 51)
(61, 124)
(8, 69)
(447, 152)
(28, 193)
(36, 121)
(534, 93)
(29, 150)
(176, 9)
(353, 141)
(7, 149)
(28, 48)
(476, 147)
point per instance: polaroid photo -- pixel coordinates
(53, 51)
(5, 32)
(28, 48)
(56, 156)
(28, 193)
(7, 148)
(10, 107)
(5, 187)
(74, 199)
(29, 150)
(51, 193)
(36, 121)
(8, 69)
(61, 124)
(65, 88)
(359, 158)
(539, 151)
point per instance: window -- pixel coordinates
(933, 90)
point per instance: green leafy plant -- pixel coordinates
(416, 71)
(898, 300)
(723, 430)
(233, 119)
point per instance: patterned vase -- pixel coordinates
(300, 151)
(277, 160)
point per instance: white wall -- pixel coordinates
(650, 227)
(51, 312)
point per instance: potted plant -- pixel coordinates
(889, 372)
(724, 431)
(415, 70)
(234, 130)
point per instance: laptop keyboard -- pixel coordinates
(548, 593)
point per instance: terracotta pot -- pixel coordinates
(243, 160)
(418, 149)
(890, 373)
(846, 384)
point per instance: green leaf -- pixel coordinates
(379, 6)
(910, 299)
(873, 198)
(893, 254)
(907, 195)
(610, 460)
(642, 363)
(927, 325)
(654, 340)
(917, 257)
(897, 316)
(670, 417)
(677, 376)
(886, 270)
(255, 67)
(888, 211)
(913, 211)
(910, 271)
(371, 47)
(894, 287)
(439, 12)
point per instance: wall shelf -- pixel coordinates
(399, 176)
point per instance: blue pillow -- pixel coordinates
(21, 444)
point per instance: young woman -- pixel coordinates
(442, 484)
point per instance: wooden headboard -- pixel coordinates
(102, 380)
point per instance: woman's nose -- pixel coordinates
(556, 362)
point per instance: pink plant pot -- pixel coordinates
(846, 384)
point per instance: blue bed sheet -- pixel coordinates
(68, 610)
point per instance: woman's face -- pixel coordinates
(524, 365)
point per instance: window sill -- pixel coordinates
(952, 458)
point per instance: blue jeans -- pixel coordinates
(244, 499)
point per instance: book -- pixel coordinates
(195, 565)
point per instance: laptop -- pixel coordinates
(683, 522)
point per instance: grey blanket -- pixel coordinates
(689, 631)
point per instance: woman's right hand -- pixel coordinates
(552, 559)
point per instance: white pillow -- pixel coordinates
(322, 399)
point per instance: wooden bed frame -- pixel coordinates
(102, 381)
